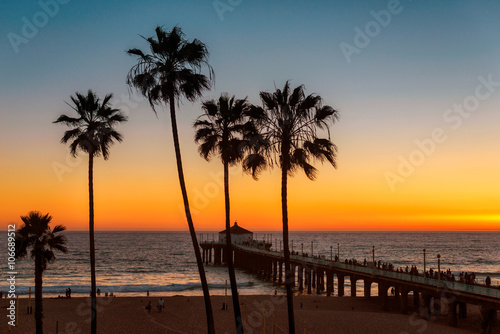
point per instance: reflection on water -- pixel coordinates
(130, 263)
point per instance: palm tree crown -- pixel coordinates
(172, 69)
(225, 130)
(37, 235)
(92, 131)
(289, 122)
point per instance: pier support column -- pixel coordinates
(488, 319)
(397, 292)
(280, 273)
(218, 257)
(462, 310)
(300, 278)
(340, 283)
(322, 281)
(210, 255)
(329, 283)
(437, 305)
(203, 254)
(427, 306)
(308, 280)
(270, 270)
(368, 288)
(318, 281)
(313, 279)
(275, 269)
(292, 275)
(452, 313)
(382, 292)
(404, 301)
(416, 299)
(353, 286)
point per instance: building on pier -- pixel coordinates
(239, 235)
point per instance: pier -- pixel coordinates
(318, 275)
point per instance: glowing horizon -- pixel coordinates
(417, 137)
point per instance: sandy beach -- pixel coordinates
(181, 314)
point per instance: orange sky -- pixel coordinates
(137, 189)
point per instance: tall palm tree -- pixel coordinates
(224, 130)
(170, 72)
(289, 121)
(41, 241)
(92, 132)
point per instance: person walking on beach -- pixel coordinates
(149, 307)
(161, 304)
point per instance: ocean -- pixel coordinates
(131, 263)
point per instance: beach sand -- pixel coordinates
(318, 314)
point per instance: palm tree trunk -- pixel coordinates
(288, 273)
(38, 294)
(229, 255)
(93, 328)
(199, 261)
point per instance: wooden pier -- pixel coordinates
(318, 275)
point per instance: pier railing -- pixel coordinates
(469, 288)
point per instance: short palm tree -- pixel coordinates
(289, 121)
(224, 131)
(170, 72)
(37, 238)
(93, 133)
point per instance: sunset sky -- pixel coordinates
(417, 84)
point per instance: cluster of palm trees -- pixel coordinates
(283, 133)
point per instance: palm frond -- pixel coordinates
(254, 164)
(93, 132)
(36, 237)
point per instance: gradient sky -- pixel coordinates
(399, 88)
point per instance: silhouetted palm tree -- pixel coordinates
(289, 122)
(36, 237)
(170, 72)
(224, 131)
(92, 132)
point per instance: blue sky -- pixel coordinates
(395, 90)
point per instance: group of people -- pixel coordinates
(450, 277)
(411, 270)
(160, 305)
(68, 293)
(463, 277)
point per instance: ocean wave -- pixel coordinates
(128, 288)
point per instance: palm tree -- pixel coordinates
(289, 121)
(170, 72)
(225, 132)
(36, 235)
(92, 132)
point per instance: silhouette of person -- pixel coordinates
(161, 304)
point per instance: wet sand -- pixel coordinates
(318, 314)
